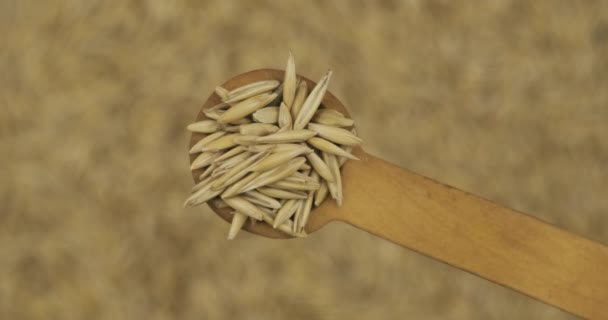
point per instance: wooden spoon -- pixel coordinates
(476, 235)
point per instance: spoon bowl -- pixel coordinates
(319, 216)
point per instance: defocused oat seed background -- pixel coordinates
(505, 99)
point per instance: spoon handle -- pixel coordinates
(476, 235)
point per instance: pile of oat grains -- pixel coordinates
(272, 150)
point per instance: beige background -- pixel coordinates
(506, 99)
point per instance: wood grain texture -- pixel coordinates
(476, 235)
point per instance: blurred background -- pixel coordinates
(505, 99)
